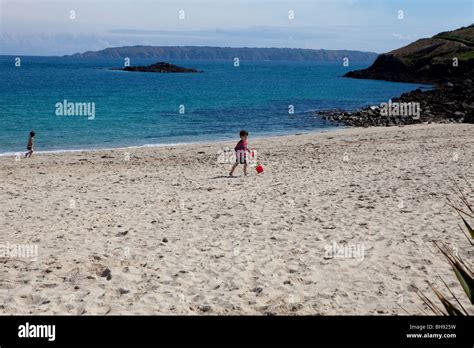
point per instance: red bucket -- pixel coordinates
(259, 169)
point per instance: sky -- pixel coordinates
(60, 27)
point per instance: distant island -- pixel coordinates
(160, 67)
(445, 60)
(167, 53)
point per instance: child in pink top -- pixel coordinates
(241, 150)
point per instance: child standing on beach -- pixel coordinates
(241, 150)
(29, 147)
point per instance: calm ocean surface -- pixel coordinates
(135, 109)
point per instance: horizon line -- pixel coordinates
(192, 46)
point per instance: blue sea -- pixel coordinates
(140, 109)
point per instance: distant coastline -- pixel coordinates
(168, 53)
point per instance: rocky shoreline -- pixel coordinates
(445, 60)
(450, 103)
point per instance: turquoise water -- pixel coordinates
(135, 109)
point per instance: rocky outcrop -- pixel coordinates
(445, 60)
(445, 57)
(453, 102)
(160, 67)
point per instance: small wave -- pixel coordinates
(257, 136)
(14, 154)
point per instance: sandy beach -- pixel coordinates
(340, 223)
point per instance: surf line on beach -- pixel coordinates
(66, 108)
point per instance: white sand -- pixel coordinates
(251, 245)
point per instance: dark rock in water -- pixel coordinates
(160, 67)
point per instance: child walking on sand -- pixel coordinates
(241, 150)
(29, 147)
